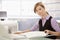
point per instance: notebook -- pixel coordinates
(34, 34)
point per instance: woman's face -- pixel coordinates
(40, 10)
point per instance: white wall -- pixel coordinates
(12, 7)
(24, 8)
(0, 4)
(27, 8)
(19, 8)
(53, 7)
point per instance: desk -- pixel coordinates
(17, 37)
(35, 35)
(40, 38)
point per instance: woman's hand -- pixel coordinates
(52, 32)
(48, 31)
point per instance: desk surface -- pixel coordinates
(17, 37)
(31, 36)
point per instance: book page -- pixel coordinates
(34, 34)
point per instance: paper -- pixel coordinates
(34, 34)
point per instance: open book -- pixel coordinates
(34, 34)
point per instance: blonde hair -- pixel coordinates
(38, 4)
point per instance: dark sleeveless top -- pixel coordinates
(47, 26)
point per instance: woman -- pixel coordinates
(46, 22)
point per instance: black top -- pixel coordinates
(47, 26)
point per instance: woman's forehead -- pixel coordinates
(38, 7)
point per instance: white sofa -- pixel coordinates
(5, 27)
(28, 23)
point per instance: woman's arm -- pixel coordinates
(34, 27)
(55, 25)
(52, 33)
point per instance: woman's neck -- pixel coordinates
(45, 15)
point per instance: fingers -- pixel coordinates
(47, 31)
